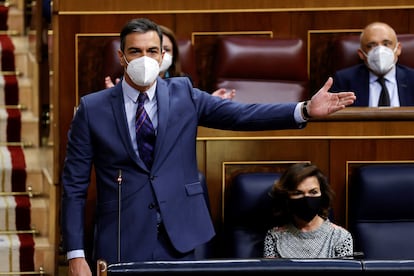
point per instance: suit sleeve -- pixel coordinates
(75, 180)
(230, 115)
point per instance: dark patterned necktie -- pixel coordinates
(384, 99)
(145, 132)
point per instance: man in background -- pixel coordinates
(379, 80)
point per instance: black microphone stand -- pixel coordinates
(119, 213)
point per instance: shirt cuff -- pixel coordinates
(75, 254)
(298, 113)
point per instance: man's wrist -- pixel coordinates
(305, 112)
(79, 253)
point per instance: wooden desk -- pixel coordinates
(351, 136)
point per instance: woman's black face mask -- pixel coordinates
(305, 208)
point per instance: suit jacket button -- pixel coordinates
(151, 206)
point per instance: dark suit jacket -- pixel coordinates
(356, 79)
(99, 136)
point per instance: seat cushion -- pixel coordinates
(381, 210)
(251, 91)
(262, 70)
(248, 214)
(383, 192)
(385, 240)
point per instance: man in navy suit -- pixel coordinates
(163, 211)
(379, 49)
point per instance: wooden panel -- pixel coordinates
(351, 134)
(89, 69)
(319, 36)
(191, 5)
(321, 43)
(255, 150)
(343, 151)
(354, 134)
(331, 154)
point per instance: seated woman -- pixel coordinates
(301, 200)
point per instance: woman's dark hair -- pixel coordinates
(289, 181)
(139, 25)
(175, 68)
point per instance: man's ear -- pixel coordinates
(361, 54)
(162, 57)
(399, 48)
(121, 58)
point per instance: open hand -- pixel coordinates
(324, 102)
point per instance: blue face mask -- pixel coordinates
(305, 208)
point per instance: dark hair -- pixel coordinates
(139, 25)
(175, 68)
(289, 181)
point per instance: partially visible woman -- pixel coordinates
(301, 200)
(171, 67)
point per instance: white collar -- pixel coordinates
(133, 93)
(390, 76)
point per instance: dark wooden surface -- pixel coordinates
(357, 135)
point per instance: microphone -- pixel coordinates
(357, 255)
(119, 180)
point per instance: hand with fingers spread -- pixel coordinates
(324, 102)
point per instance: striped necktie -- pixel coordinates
(145, 132)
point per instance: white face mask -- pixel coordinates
(143, 71)
(166, 62)
(381, 59)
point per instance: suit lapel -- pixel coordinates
(402, 86)
(163, 98)
(118, 110)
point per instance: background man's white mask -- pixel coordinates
(381, 59)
